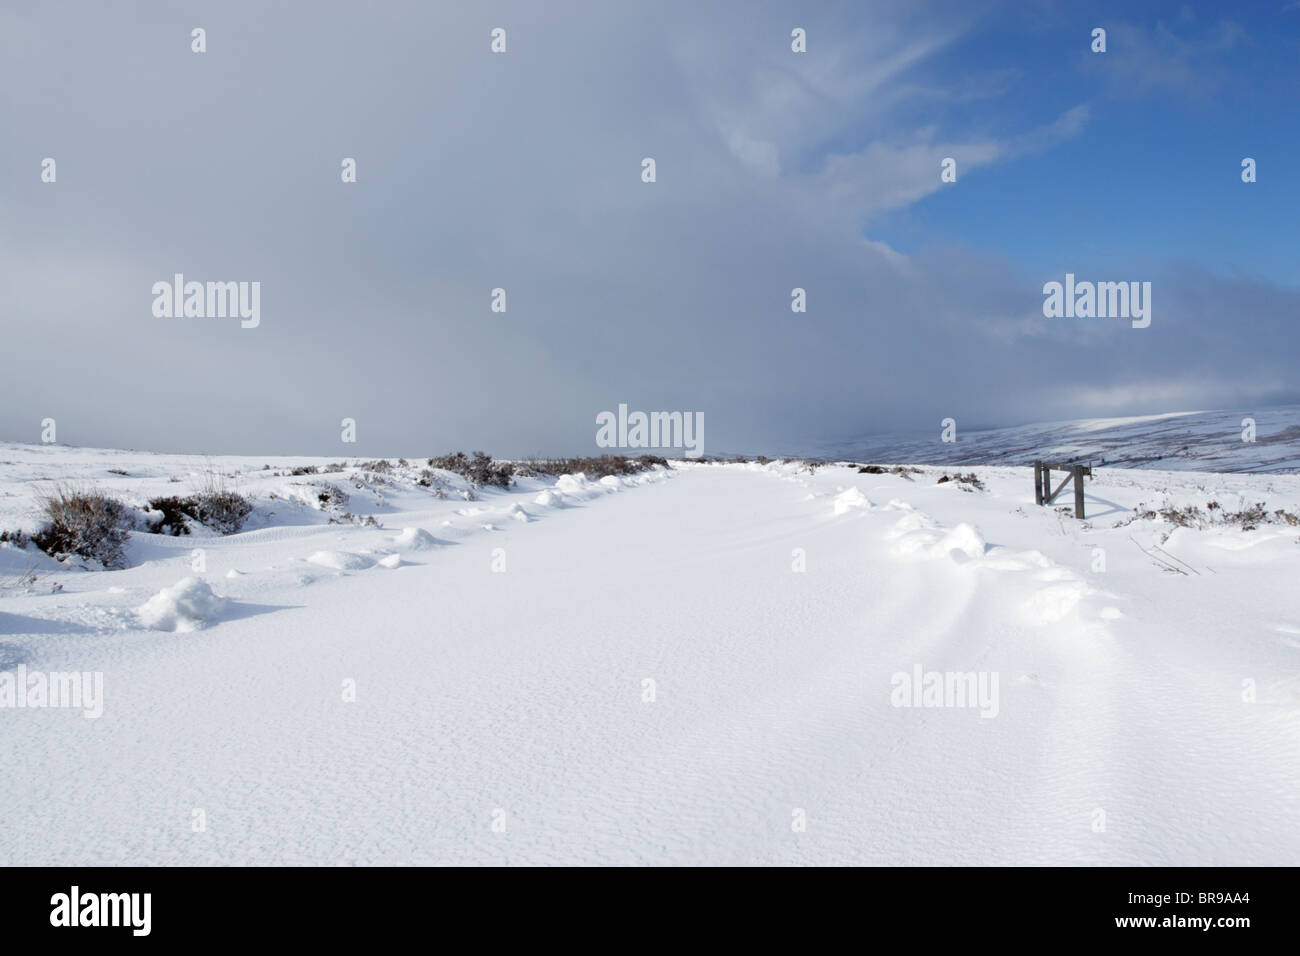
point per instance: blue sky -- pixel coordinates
(1183, 93)
(776, 170)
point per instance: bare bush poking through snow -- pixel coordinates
(480, 469)
(16, 538)
(593, 468)
(218, 506)
(175, 514)
(88, 524)
(224, 512)
(333, 501)
(903, 471)
(965, 482)
(1248, 518)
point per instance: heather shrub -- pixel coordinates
(479, 470)
(176, 513)
(593, 468)
(217, 505)
(88, 524)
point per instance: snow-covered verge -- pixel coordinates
(713, 664)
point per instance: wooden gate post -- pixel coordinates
(1038, 482)
(1078, 491)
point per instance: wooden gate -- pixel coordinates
(1043, 494)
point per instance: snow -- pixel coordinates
(415, 539)
(668, 670)
(185, 606)
(846, 501)
(341, 560)
(575, 485)
(962, 539)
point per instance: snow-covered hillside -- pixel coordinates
(1180, 441)
(710, 664)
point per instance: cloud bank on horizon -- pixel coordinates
(821, 170)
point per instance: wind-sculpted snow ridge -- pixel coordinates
(848, 500)
(415, 539)
(341, 560)
(776, 663)
(187, 605)
(1054, 594)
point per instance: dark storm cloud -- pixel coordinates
(522, 171)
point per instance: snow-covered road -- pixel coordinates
(644, 675)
